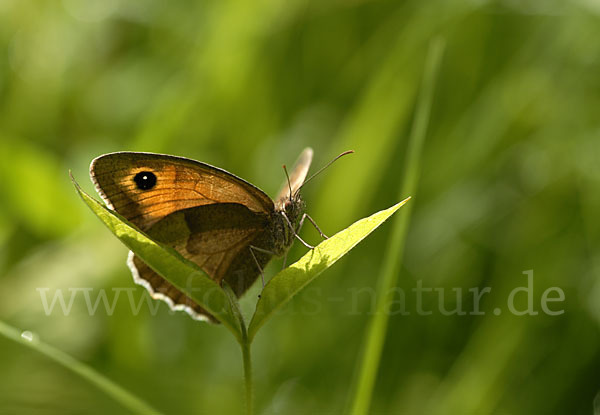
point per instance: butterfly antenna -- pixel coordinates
(288, 180)
(323, 168)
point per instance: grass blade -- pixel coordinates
(369, 365)
(283, 286)
(125, 398)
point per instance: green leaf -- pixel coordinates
(287, 283)
(167, 262)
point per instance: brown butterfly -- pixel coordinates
(230, 228)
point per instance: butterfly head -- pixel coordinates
(294, 207)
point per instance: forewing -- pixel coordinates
(180, 184)
(297, 176)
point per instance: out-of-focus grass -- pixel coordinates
(509, 183)
(370, 359)
(29, 340)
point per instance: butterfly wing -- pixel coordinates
(297, 177)
(216, 237)
(208, 215)
(179, 183)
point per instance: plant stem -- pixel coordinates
(369, 366)
(247, 373)
(245, 343)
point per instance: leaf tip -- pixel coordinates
(73, 180)
(402, 203)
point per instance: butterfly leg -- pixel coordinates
(295, 234)
(264, 251)
(309, 246)
(307, 216)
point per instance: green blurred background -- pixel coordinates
(510, 182)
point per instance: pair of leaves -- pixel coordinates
(221, 303)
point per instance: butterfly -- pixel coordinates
(230, 228)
